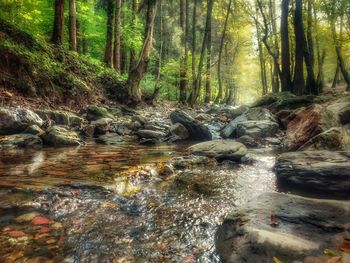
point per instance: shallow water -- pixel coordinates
(106, 204)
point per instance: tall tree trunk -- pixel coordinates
(194, 28)
(117, 34)
(222, 42)
(132, 50)
(72, 25)
(108, 59)
(261, 56)
(320, 57)
(79, 37)
(198, 80)
(336, 76)
(157, 85)
(184, 21)
(208, 75)
(286, 75)
(275, 74)
(338, 50)
(57, 34)
(136, 74)
(299, 81)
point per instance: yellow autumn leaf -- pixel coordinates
(276, 260)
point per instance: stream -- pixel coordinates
(106, 204)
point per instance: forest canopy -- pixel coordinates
(200, 51)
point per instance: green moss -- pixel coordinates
(96, 112)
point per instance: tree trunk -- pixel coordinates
(286, 75)
(117, 34)
(157, 86)
(208, 75)
(222, 42)
(57, 34)
(109, 37)
(198, 80)
(132, 50)
(72, 25)
(184, 20)
(320, 57)
(194, 27)
(336, 77)
(136, 74)
(275, 74)
(299, 81)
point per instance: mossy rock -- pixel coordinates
(61, 117)
(59, 136)
(95, 112)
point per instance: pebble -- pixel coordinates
(40, 220)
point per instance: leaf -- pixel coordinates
(345, 247)
(273, 220)
(329, 252)
(276, 260)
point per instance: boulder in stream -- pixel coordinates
(307, 123)
(196, 130)
(20, 141)
(61, 117)
(220, 150)
(16, 120)
(303, 227)
(180, 131)
(315, 171)
(257, 129)
(60, 136)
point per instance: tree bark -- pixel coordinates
(276, 67)
(57, 34)
(72, 25)
(299, 81)
(136, 74)
(320, 57)
(194, 20)
(132, 50)
(108, 58)
(286, 75)
(157, 85)
(117, 34)
(184, 21)
(222, 42)
(208, 75)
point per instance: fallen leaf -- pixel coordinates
(329, 252)
(276, 260)
(16, 233)
(40, 220)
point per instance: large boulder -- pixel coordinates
(59, 136)
(16, 120)
(254, 114)
(61, 117)
(337, 139)
(220, 150)
(307, 123)
(102, 126)
(149, 134)
(257, 129)
(304, 227)
(342, 110)
(180, 131)
(20, 141)
(95, 112)
(196, 130)
(318, 171)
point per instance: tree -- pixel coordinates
(117, 34)
(184, 23)
(276, 67)
(285, 71)
(136, 74)
(208, 75)
(57, 34)
(108, 58)
(299, 81)
(72, 25)
(222, 42)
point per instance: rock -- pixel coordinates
(34, 130)
(190, 161)
(148, 134)
(88, 130)
(203, 117)
(121, 129)
(26, 217)
(307, 123)
(40, 220)
(180, 131)
(196, 130)
(139, 119)
(20, 141)
(234, 113)
(257, 129)
(102, 126)
(284, 117)
(193, 184)
(265, 100)
(247, 141)
(305, 227)
(220, 150)
(135, 126)
(319, 171)
(16, 120)
(337, 139)
(59, 136)
(95, 112)
(253, 114)
(288, 101)
(61, 117)
(110, 139)
(342, 110)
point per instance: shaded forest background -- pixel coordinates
(189, 50)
